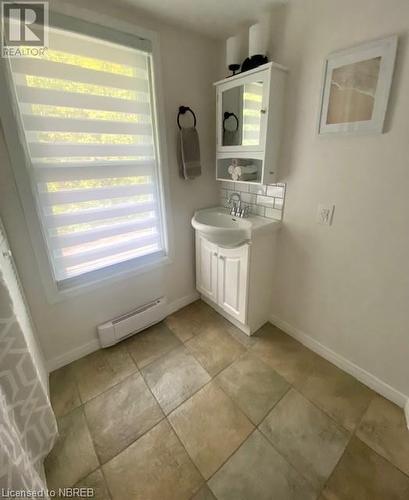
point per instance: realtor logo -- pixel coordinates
(24, 28)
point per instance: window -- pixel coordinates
(252, 104)
(87, 117)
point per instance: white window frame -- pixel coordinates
(19, 160)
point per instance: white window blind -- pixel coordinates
(252, 103)
(87, 115)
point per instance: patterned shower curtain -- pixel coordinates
(27, 424)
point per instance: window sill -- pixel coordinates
(105, 276)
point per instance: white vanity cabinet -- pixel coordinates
(232, 281)
(237, 281)
(222, 276)
(206, 267)
(249, 109)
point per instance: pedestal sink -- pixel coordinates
(219, 226)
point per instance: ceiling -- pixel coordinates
(214, 18)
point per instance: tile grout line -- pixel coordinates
(349, 434)
(327, 414)
(169, 422)
(187, 453)
(257, 428)
(235, 404)
(299, 390)
(352, 435)
(106, 483)
(382, 457)
(293, 467)
(150, 428)
(234, 451)
(160, 356)
(291, 387)
(139, 372)
(212, 379)
(369, 446)
(336, 465)
(165, 418)
(248, 349)
(136, 372)
(83, 403)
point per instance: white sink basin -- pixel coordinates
(218, 226)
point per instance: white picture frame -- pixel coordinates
(356, 86)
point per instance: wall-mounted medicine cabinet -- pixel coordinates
(249, 109)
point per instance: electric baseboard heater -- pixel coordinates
(133, 322)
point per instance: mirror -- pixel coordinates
(241, 115)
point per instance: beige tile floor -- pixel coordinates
(193, 409)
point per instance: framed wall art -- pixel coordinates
(356, 86)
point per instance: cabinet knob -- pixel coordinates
(215, 254)
(222, 257)
(263, 111)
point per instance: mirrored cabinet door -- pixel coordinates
(241, 114)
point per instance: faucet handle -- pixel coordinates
(244, 212)
(234, 208)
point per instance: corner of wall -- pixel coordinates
(367, 378)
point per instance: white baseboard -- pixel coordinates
(182, 302)
(72, 355)
(362, 375)
(94, 345)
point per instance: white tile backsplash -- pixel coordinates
(248, 198)
(279, 203)
(257, 210)
(267, 201)
(273, 213)
(228, 185)
(258, 189)
(242, 187)
(276, 190)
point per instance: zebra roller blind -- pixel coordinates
(252, 104)
(87, 115)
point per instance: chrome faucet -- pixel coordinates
(237, 208)
(234, 205)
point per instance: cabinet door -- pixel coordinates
(233, 281)
(206, 267)
(242, 113)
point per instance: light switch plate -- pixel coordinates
(325, 214)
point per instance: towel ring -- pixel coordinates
(228, 115)
(182, 111)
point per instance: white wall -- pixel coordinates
(66, 329)
(347, 286)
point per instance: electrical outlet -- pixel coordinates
(325, 214)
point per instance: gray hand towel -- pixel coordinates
(189, 153)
